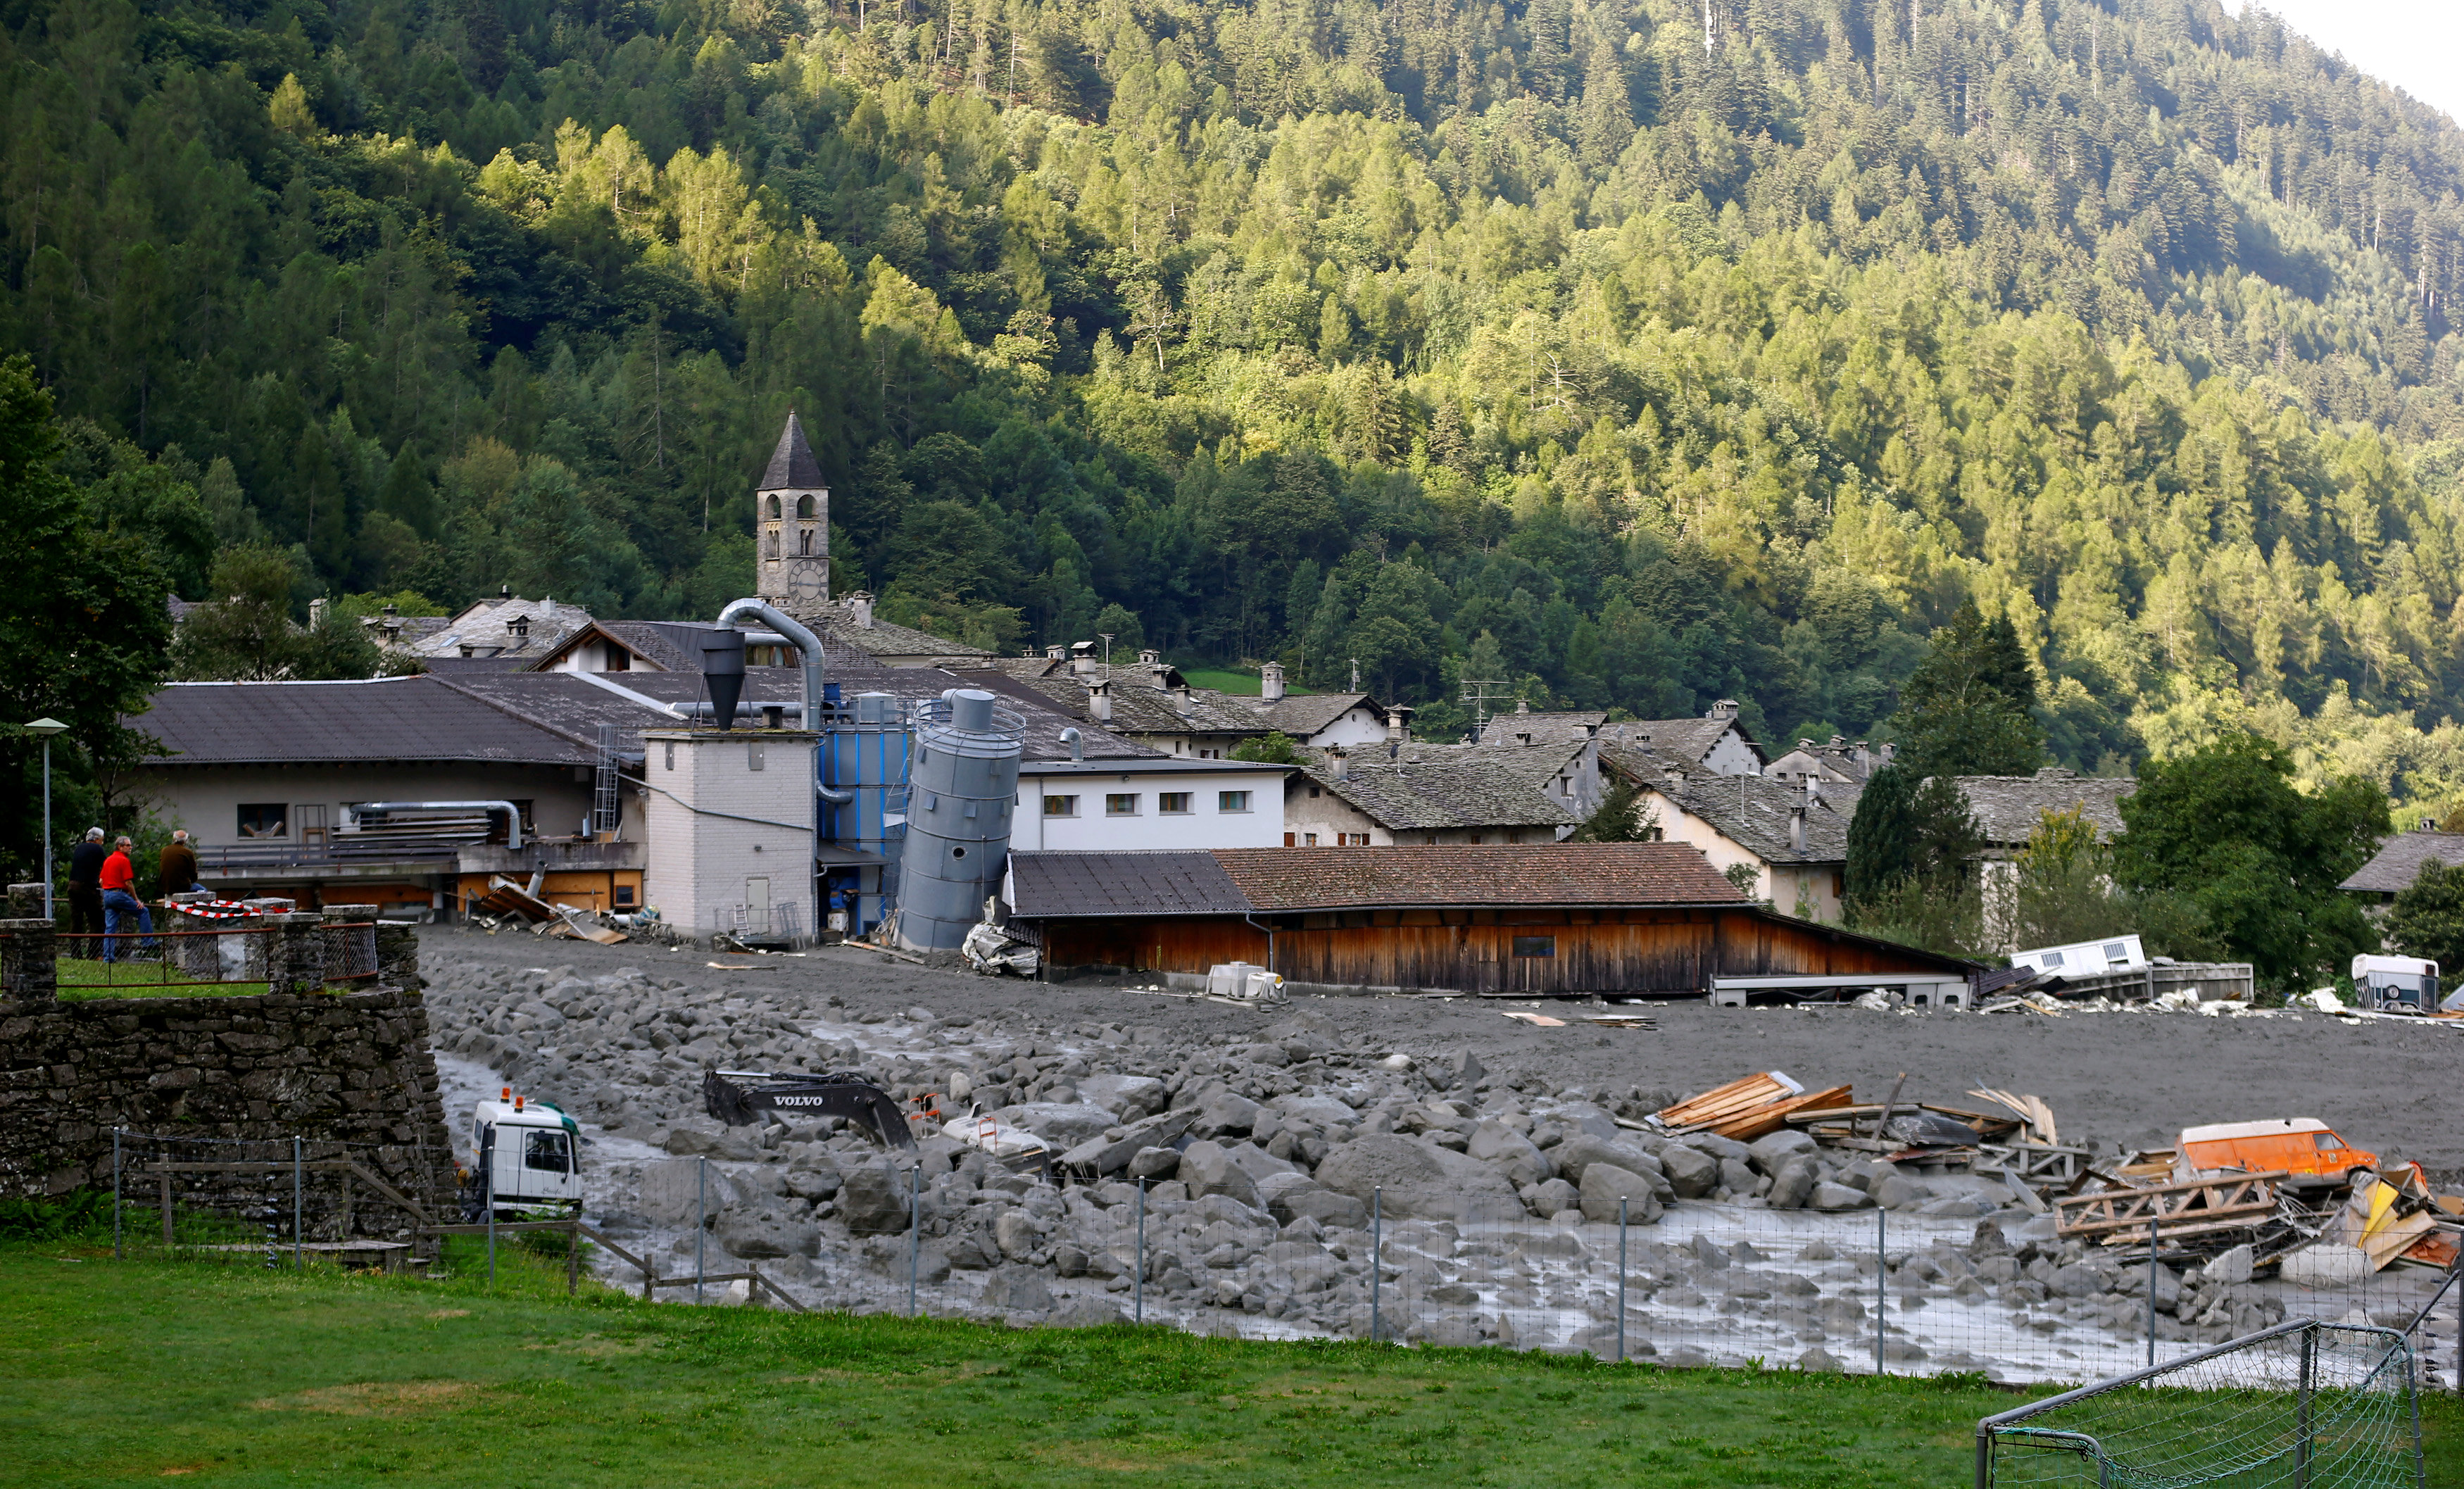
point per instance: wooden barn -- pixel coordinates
(1631, 919)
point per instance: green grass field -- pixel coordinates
(81, 978)
(1242, 684)
(229, 1374)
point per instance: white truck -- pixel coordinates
(526, 1158)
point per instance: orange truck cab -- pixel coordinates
(2289, 1145)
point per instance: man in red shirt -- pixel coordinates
(119, 900)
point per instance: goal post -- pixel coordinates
(2302, 1404)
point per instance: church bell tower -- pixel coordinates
(792, 528)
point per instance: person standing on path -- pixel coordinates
(85, 885)
(119, 899)
(178, 864)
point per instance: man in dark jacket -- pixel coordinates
(85, 891)
(178, 864)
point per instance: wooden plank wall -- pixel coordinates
(1603, 952)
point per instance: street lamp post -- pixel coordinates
(44, 728)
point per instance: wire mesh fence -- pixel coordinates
(222, 959)
(279, 1202)
(2302, 1403)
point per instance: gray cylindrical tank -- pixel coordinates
(960, 791)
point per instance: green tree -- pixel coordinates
(1909, 831)
(1274, 747)
(2226, 828)
(1966, 710)
(2426, 920)
(1619, 818)
(246, 632)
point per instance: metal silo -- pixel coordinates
(960, 791)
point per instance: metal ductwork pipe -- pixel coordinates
(513, 813)
(810, 644)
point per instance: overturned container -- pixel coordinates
(962, 786)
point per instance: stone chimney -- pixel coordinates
(316, 614)
(1522, 705)
(860, 610)
(1054, 653)
(1725, 708)
(1149, 656)
(1888, 751)
(1185, 700)
(1270, 682)
(1398, 723)
(1796, 821)
(1099, 700)
(1083, 660)
(1337, 764)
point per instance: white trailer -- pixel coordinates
(2395, 985)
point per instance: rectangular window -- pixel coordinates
(1059, 806)
(1291, 839)
(264, 819)
(1309, 840)
(671, 756)
(1123, 803)
(1231, 800)
(547, 1152)
(1173, 803)
(624, 896)
(2053, 959)
(2117, 952)
(1535, 946)
(1355, 839)
(755, 753)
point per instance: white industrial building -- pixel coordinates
(1133, 804)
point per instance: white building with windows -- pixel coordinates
(1146, 802)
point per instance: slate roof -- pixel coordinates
(423, 718)
(486, 628)
(908, 685)
(2009, 808)
(1508, 730)
(1302, 714)
(792, 466)
(1687, 740)
(1242, 880)
(1073, 886)
(1140, 708)
(835, 624)
(1752, 812)
(2399, 859)
(1436, 787)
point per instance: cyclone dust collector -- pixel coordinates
(960, 791)
(722, 669)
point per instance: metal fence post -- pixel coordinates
(2301, 1429)
(1138, 1304)
(914, 1233)
(1620, 1354)
(114, 1193)
(1376, 1262)
(298, 1207)
(702, 1219)
(487, 1198)
(2151, 1290)
(1882, 1273)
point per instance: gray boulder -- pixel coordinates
(1013, 1289)
(1836, 1196)
(1061, 1125)
(686, 1143)
(1794, 1185)
(1153, 1163)
(1548, 1198)
(1207, 1168)
(1581, 1150)
(1127, 1097)
(1099, 1155)
(813, 1176)
(1323, 1206)
(1419, 1179)
(674, 1190)
(1226, 1114)
(1511, 1153)
(1605, 1184)
(873, 1200)
(743, 1231)
(1772, 1151)
(1691, 1172)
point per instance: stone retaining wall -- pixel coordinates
(352, 1068)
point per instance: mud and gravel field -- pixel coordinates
(1424, 1169)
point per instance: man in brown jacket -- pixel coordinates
(178, 864)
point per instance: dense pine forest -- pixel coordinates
(1636, 354)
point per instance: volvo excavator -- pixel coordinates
(742, 1096)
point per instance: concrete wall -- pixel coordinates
(1355, 726)
(1731, 757)
(1780, 884)
(700, 863)
(352, 1068)
(1206, 826)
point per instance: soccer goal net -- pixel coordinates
(2304, 1404)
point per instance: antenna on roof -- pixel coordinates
(1476, 693)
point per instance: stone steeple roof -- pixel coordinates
(792, 466)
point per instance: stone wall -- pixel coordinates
(352, 1068)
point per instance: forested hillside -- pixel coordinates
(1637, 355)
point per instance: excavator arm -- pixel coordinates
(740, 1097)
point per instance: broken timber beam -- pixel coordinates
(2242, 1199)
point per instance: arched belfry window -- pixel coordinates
(805, 506)
(774, 506)
(805, 542)
(770, 545)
